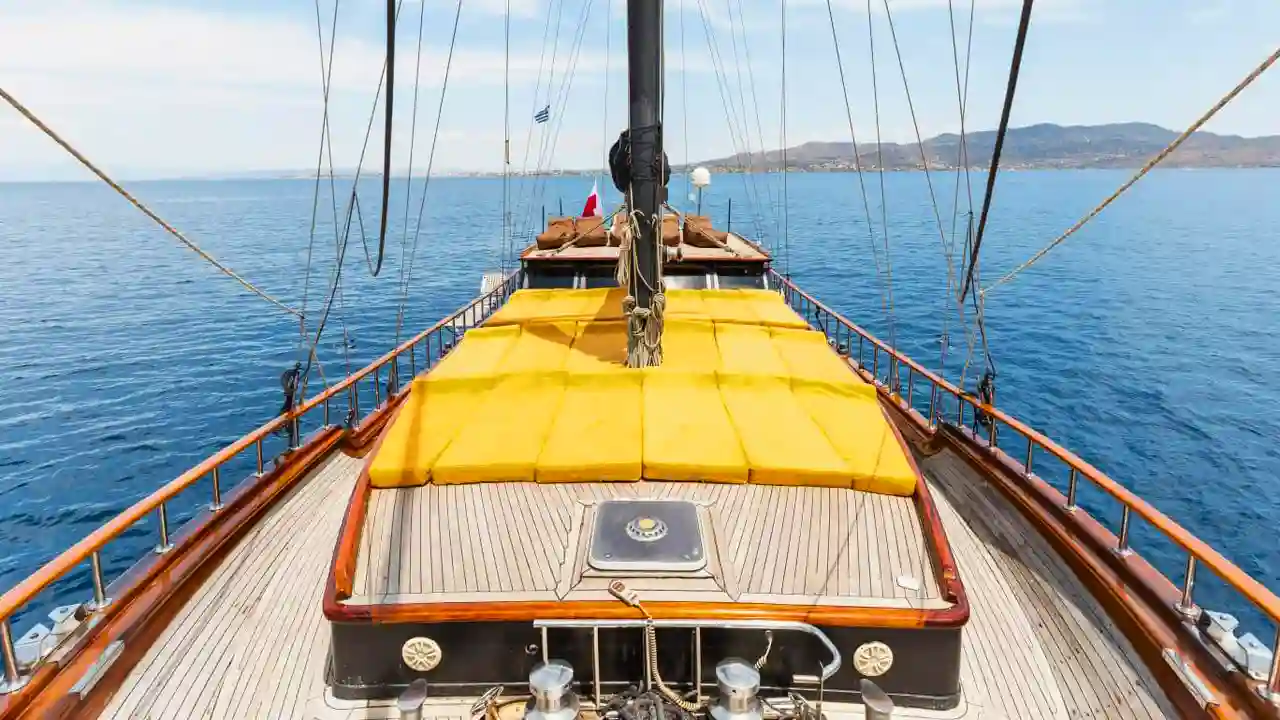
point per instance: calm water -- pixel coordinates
(1147, 343)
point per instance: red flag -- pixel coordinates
(592, 208)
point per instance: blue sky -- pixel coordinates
(151, 88)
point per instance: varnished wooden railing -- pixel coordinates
(887, 367)
(421, 352)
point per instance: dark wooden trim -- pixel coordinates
(1135, 595)
(611, 610)
(342, 568)
(149, 596)
(339, 588)
(1087, 547)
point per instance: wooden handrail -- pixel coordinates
(1262, 598)
(25, 591)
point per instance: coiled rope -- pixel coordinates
(145, 210)
(644, 324)
(1141, 172)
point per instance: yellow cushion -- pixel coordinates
(541, 348)
(504, 436)
(425, 424)
(809, 359)
(477, 355)
(686, 303)
(522, 306)
(689, 345)
(687, 433)
(571, 304)
(598, 347)
(782, 443)
(747, 350)
(603, 304)
(771, 309)
(729, 306)
(596, 434)
(558, 305)
(856, 426)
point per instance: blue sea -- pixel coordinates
(1147, 343)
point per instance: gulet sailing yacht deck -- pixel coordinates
(1037, 644)
(369, 560)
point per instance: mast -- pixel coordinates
(648, 177)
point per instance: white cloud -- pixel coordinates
(157, 90)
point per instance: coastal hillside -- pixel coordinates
(1120, 145)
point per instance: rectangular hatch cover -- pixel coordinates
(647, 535)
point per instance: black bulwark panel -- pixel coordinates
(366, 659)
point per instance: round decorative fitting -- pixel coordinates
(646, 529)
(872, 659)
(421, 653)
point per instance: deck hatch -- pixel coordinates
(648, 535)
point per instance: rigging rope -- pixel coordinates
(343, 239)
(886, 295)
(755, 103)
(786, 217)
(504, 249)
(730, 112)
(962, 99)
(948, 251)
(560, 103)
(1248, 80)
(392, 16)
(138, 204)
(431, 154)
(523, 207)
(853, 142)
(604, 120)
(326, 70)
(1015, 64)
(684, 106)
(408, 188)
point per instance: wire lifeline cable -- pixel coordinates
(1248, 80)
(138, 204)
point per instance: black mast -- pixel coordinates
(648, 171)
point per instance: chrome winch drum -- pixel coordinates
(739, 685)
(551, 685)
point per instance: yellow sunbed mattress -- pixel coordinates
(545, 396)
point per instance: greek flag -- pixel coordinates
(543, 115)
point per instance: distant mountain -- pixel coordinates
(1121, 145)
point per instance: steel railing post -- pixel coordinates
(1122, 544)
(164, 546)
(100, 599)
(217, 489)
(13, 681)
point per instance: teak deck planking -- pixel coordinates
(253, 642)
(491, 541)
